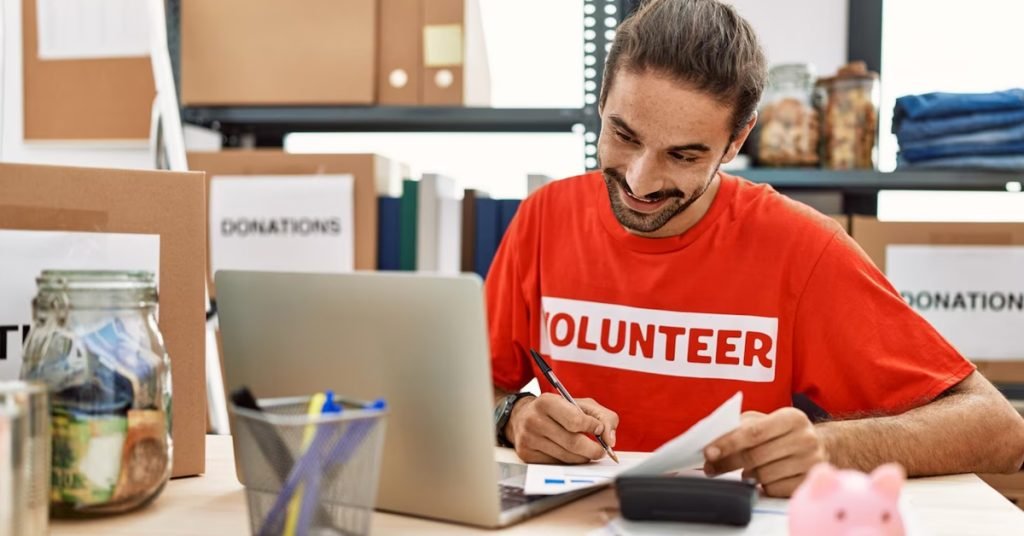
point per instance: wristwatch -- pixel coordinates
(502, 412)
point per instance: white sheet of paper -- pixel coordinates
(300, 223)
(77, 29)
(27, 253)
(971, 294)
(683, 452)
(686, 450)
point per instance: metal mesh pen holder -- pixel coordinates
(284, 455)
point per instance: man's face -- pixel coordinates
(660, 148)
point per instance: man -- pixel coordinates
(660, 286)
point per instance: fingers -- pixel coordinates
(783, 488)
(755, 431)
(608, 418)
(756, 457)
(539, 444)
(568, 415)
(539, 434)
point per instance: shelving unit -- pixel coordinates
(267, 126)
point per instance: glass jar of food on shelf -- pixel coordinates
(96, 345)
(849, 117)
(787, 132)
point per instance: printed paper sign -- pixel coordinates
(282, 223)
(77, 29)
(24, 254)
(974, 295)
(694, 345)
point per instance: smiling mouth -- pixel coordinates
(644, 200)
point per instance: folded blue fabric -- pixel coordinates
(912, 130)
(1013, 162)
(947, 104)
(997, 141)
(1013, 133)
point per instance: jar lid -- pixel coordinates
(855, 70)
(95, 280)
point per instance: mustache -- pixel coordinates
(619, 178)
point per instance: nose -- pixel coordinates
(644, 174)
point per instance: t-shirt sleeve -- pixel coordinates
(858, 347)
(508, 313)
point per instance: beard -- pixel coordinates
(641, 222)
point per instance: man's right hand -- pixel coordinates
(548, 429)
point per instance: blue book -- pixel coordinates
(506, 211)
(389, 214)
(487, 226)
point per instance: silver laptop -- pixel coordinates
(420, 342)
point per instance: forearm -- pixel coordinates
(973, 429)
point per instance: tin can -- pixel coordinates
(24, 459)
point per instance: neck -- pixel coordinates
(686, 219)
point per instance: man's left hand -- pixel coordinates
(777, 450)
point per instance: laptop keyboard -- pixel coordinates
(513, 497)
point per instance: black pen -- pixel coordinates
(553, 380)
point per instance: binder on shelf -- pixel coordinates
(506, 211)
(455, 69)
(389, 214)
(469, 225)
(408, 224)
(486, 234)
(535, 181)
(433, 189)
(400, 49)
(449, 240)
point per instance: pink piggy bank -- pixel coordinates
(848, 503)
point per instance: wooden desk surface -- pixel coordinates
(214, 505)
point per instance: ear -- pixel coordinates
(822, 480)
(741, 137)
(888, 479)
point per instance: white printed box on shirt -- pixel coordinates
(655, 341)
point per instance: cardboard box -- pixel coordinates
(875, 236)
(83, 99)
(398, 68)
(374, 175)
(51, 198)
(278, 52)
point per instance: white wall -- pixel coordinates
(12, 144)
(799, 31)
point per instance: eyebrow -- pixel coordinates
(620, 123)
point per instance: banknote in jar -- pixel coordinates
(86, 456)
(144, 460)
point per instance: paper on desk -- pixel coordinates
(683, 452)
(554, 479)
(73, 29)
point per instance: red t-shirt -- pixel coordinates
(763, 295)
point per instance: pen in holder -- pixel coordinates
(330, 477)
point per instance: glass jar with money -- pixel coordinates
(95, 343)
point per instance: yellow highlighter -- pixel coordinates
(316, 404)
